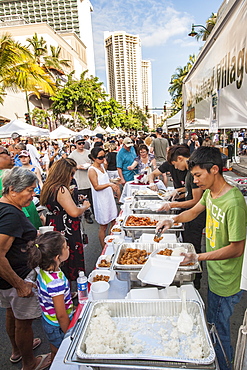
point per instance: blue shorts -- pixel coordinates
(54, 333)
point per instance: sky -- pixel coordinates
(163, 27)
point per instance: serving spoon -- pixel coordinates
(185, 322)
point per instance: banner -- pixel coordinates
(215, 91)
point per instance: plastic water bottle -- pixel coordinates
(82, 287)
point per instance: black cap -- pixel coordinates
(159, 130)
(99, 136)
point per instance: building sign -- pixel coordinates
(216, 87)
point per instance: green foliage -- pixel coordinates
(202, 33)
(176, 87)
(19, 70)
(41, 117)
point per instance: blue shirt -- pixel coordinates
(125, 158)
(18, 162)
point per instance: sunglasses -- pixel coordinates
(4, 151)
(80, 142)
(101, 157)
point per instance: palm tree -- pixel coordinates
(19, 70)
(53, 61)
(39, 47)
(177, 78)
(203, 33)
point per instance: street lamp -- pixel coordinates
(193, 33)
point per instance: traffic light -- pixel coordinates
(146, 109)
(27, 118)
(164, 108)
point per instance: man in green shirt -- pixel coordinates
(226, 219)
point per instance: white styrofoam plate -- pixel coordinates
(160, 270)
(143, 293)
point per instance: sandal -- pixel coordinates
(44, 358)
(36, 343)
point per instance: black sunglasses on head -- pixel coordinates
(80, 142)
(101, 157)
(4, 151)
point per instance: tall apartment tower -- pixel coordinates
(61, 15)
(123, 67)
(146, 84)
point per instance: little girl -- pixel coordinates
(47, 252)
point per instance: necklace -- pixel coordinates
(219, 191)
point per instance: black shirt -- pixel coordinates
(177, 175)
(190, 185)
(111, 160)
(13, 222)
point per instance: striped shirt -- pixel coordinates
(52, 284)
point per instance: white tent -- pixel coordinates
(61, 133)
(23, 129)
(109, 130)
(99, 130)
(174, 121)
(85, 131)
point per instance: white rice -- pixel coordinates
(157, 336)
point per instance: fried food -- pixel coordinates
(157, 239)
(101, 278)
(104, 263)
(140, 221)
(133, 256)
(116, 230)
(165, 252)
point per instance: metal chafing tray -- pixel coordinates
(151, 206)
(153, 217)
(158, 316)
(130, 272)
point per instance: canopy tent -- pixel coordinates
(61, 133)
(98, 130)
(110, 130)
(174, 120)
(23, 129)
(85, 131)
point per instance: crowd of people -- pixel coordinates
(84, 178)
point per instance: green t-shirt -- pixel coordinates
(226, 222)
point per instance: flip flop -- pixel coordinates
(36, 343)
(41, 365)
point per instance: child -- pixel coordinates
(47, 252)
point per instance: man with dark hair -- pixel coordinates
(178, 156)
(225, 240)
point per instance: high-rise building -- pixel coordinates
(146, 84)
(61, 15)
(128, 77)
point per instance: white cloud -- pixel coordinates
(155, 21)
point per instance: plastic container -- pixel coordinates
(99, 290)
(82, 287)
(45, 229)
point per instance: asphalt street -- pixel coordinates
(92, 251)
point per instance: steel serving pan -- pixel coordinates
(150, 319)
(151, 248)
(153, 217)
(151, 206)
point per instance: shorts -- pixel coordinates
(23, 308)
(54, 333)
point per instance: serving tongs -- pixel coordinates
(157, 235)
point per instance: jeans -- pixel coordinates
(54, 333)
(220, 309)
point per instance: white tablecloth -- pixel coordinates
(129, 188)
